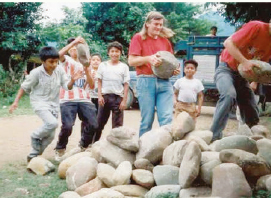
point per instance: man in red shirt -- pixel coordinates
(252, 41)
(152, 91)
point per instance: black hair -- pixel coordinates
(213, 27)
(48, 52)
(191, 61)
(115, 44)
(97, 54)
(71, 39)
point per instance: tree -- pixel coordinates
(19, 22)
(115, 21)
(182, 19)
(240, 13)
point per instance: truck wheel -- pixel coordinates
(130, 98)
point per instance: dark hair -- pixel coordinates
(115, 44)
(70, 40)
(97, 54)
(191, 61)
(48, 52)
(213, 27)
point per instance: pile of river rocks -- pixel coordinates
(171, 161)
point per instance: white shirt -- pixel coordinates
(113, 77)
(44, 88)
(188, 89)
(78, 93)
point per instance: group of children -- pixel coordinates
(89, 92)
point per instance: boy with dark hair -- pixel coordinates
(113, 84)
(188, 91)
(43, 84)
(75, 101)
(213, 31)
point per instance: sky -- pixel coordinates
(53, 9)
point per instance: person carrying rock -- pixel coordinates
(252, 41)
(188, 91)
(152, 92)
(75, 101)
(43, 85)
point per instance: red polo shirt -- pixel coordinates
(254, 42)
(147, 47)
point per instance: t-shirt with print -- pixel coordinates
(254, 42)
(147, 47)
(188, 89)
(113, 77)
(78, 93)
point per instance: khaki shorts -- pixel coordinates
(190, 108)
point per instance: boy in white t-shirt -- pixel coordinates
(188, 91)
(113, 84)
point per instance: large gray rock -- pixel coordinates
(123, 173)
(261, 182)
(237, 142)
(166, 175)
(90, 187)
(206, 171)
(229, 181)
(261, 74)
(143, 178)
(153, 143)
(81, 172)
(40, 166)
(106, 152)
(251, 164)
(131, 190)
(173, 154)
(143, 164)
(264, 146)
(202, 144)
(83, 54)
(105, 193)
(190, 165)
(67, 163)
(261, 130)
(195, 192)
(243, 129)
(105, 173)
(181, 125)
(125, 138)
(169, 64)
(69, 194)
(171, 191)
(206, 135)
(207, 156)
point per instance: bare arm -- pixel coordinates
(235, 52)
(125, 94)
(90, 80)
(74, 77)
(200, 102)
(100, 96)
(176, 93)
(16, 101)
(141, 60)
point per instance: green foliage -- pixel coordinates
(19, 21)
(238, 13)
(182, 19)
(14, 177)
(115, 21)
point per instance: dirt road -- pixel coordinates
(15, 133)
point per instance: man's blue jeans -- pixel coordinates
(154, 92)
(233, 89)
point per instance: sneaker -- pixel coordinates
(58, 154)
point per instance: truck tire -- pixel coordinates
(130, 98)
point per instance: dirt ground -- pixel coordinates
(15, 133)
